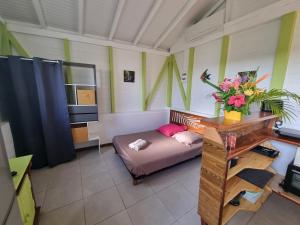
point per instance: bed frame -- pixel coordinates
(193, 122)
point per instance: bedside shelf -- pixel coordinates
(250, 160)
(235, 185)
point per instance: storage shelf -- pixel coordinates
(235, 185)
(229, 210)
(81, 105)
(250, 160)
(274, 185)
(85, 85)
(247, 142)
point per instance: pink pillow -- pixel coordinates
(170, 129)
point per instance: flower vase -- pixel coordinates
(232, 115)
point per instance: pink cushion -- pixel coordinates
(170, 129)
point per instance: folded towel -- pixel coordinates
(138, 144)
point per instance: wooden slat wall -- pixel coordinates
(213, 178)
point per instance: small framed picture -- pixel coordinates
(129, 76)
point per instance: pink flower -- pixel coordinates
(236, 83)
(217, 97)
(237, 100)
(226, 85)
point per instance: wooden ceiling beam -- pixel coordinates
(39, 12)
(147, 21)
(186, 8)
(117, 17)
(81, 16)
(213, 9)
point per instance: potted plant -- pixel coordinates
(238, 94)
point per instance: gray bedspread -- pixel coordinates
(161, 152)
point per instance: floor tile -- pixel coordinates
(102, 205)
(89, 156)
(114, 161)
(58, 197)
(96, 183)
(241, 218)
(177, 200)
(259, 220)
(150, 212)
(120, 175)
(121, 218)
(131, 194)
(40, 179)
(72, 214)
(191, 183)
(93, 168)
(279, 211)
(190, 218)
(161, 180)
(39, 198)
(60, 175)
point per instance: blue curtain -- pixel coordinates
(33, 100)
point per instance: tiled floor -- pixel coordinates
(96, 189)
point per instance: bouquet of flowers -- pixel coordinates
(242, 91)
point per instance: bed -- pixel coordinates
(161, 152)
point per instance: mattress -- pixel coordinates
(161, 152)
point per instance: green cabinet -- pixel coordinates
(23, 189)
(26, 202)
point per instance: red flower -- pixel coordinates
(217, 97)
(237, 100)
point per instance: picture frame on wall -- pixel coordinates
(129, 76)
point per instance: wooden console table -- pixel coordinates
(219, 183)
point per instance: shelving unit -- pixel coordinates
(218, 182)
(81, 89)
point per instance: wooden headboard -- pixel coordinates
(193, 122)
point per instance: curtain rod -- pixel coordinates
(29, 59)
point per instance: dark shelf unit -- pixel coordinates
(81, 76)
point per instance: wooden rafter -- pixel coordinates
(81, 9)
(117, 17)
(147, 21)
(39, 12)
(186, 8)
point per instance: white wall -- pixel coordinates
(129, 117)
(247, 50)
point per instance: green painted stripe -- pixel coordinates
(144, 81)
(190, 78)
(1, 35)
(170, 82)
(222, 67)
(67, 57)
(17, 46)
(179, 81)
(156, 84)
(283, 51)
(112, 79)
(5, 46)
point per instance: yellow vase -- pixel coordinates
(233, 115)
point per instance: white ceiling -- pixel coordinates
(96, 17)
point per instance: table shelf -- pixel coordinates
(249, 160)
(236, 185)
